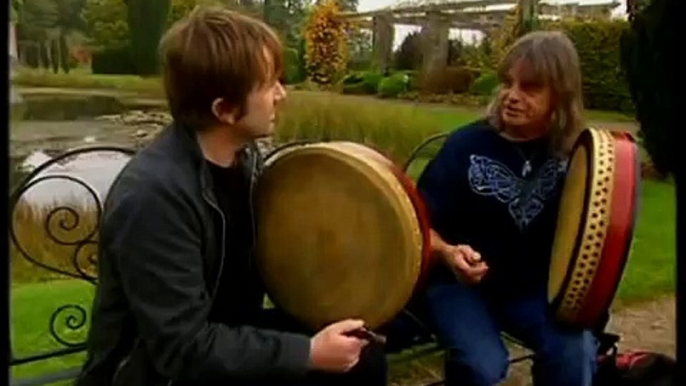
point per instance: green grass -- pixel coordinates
(394, 128)
(651, 269)
(80, 80)
(32, 306)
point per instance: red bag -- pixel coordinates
(634, 368)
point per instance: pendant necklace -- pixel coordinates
(526, 168)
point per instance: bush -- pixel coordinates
(393, 85)
(485, 84)
(598, 45)
(113, 61)
(326, 44)
(409, 55)
(455, 80)
(361, 83)
(294, 69)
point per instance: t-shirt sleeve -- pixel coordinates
(438, 188)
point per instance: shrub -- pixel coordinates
(113, 61)
(409, 55)
(394, 85)
(485, 84)
(363, 82)
(598, 45)
(455, 80)
(294, 70)
(326, 45)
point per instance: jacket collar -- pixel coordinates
(249, 157)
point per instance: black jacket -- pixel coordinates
(160, 261)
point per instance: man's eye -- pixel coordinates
(532, 86)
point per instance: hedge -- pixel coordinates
(361, 82)
(392, 86)
(113, 61)
(485, 84)
(598, 45)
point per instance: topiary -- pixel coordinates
(392, 86)
(485, 84)
(326, 54)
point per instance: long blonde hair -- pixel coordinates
(555, 62)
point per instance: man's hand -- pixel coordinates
(465, 263)
(462, 259)
(333, 349)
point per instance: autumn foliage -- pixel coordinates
(326, 52)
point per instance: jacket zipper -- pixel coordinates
(223, 217)
(252, 214)
(223, 244)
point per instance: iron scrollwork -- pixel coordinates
(75, 320)
(62, 226)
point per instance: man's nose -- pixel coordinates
(513, 95)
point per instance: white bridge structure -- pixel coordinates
(436, 18)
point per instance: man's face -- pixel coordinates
(259, 114)
(259, 119)
(526, 103)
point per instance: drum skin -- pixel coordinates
(341, 233)
(595, 227)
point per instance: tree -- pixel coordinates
(106, 24)
(147, 21)
(15, 9)
(37, 20)
(326, 45)
(409, 55)
(651, 43)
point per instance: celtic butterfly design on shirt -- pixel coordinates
(525, 197)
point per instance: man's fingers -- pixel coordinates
(348, 325)
(471, 256)
(461, 261)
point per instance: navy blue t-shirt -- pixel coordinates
(481, 191)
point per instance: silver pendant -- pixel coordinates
(526, 169)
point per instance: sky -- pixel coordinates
(401, 31)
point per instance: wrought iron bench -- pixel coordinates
(73, 231)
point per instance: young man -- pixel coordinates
(179, 300)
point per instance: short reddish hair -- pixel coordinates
(216, 53)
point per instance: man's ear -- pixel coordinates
(223, 112)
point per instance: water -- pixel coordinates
(48, 123)
(89, 170)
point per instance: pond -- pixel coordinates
(80, 180)
(43, 126)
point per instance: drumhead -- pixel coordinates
(338, 236)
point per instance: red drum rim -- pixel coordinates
(620, 231)
(604, 232)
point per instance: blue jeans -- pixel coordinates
(469, 323)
